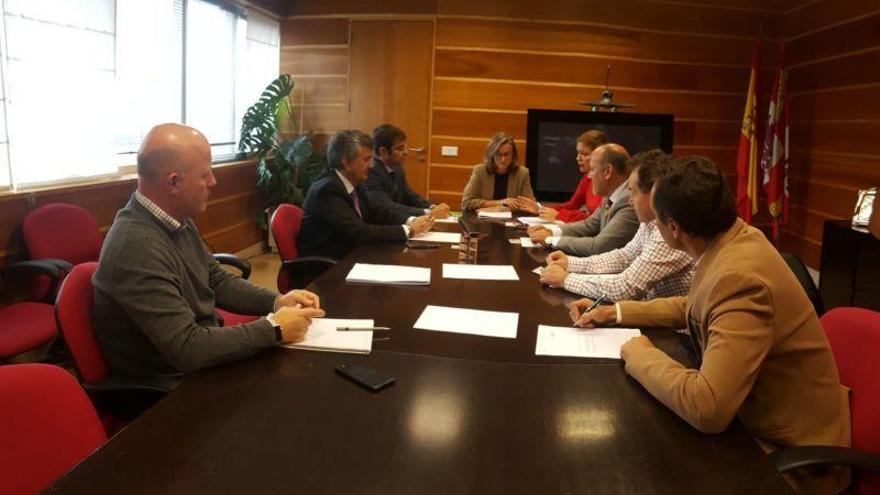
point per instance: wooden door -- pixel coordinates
(389, 82)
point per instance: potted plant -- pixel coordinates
(286, 167)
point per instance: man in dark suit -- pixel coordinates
(386, 184)
(338, 214)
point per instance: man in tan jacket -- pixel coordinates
(762, 356)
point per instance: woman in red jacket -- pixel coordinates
(571, 211)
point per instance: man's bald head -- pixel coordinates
(170, 147)
(616, 156)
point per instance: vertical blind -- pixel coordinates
(84, 80)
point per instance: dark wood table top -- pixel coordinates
(467, 414)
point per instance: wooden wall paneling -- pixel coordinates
(609, 42)
(856, 137)
(323, 118)
(451, 178)
(320, 89)
(854, 70)
(830, 198)
(809, 252)
(823, 13)
(478, 124)
(453, 200)
(385, 7)
(470, 151)
(314, 60)
(314, 32)
(589, 70)
(859, 103)
(633, 14)
(827, 165)
(853, 36)
(516, 96)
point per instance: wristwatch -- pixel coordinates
(271, 319)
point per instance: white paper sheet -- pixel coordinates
(494, 214)
(538, 270)
(446, 220)
(479, 272)
(514, 241)
(538, 221)
(389, 274)
(526, 242)
(323, 336)
(582, 342)
(469, 321)
(449, 237)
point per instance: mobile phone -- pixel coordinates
(366, 377)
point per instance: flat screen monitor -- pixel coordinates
(551, 143)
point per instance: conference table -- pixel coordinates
(467, 414)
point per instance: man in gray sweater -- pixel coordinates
(156, 286)
(612, 225)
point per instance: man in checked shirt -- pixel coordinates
(643, 269)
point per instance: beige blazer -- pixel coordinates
(482, 186)
(765, 358)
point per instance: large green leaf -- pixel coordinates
(259, 127)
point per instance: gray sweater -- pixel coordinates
(155, 292)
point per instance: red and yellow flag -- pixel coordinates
(774, 155)
(747, 155)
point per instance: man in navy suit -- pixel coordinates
(338, 214)
(386, 183)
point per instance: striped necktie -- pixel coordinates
(357, 203)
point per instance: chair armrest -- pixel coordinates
(116, 384)
(798, 457)
(230, 259)
(55, 269)
(308, 260)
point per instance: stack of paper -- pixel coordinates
(526, 242)
(494, 214)
(538, 221)
(389, 274)
(479, 272)
(469, 321)
(448, 237)
(323, 336)
(582, 342)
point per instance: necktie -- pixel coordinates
(357, 203)
(608, 211)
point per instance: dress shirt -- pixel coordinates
(643, 269)
(349, 188)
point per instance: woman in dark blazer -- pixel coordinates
(500, 180)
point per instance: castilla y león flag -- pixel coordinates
(774, 155)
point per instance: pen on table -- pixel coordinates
(361, 329)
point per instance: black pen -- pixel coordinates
(361, 329)
(595, 303)
(422, 245)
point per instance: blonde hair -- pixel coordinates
(495, 142)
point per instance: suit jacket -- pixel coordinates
(765, 358)
(482, 186)
(391, 193)
(606, 229)
(331, 226)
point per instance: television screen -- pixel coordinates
(551, 143)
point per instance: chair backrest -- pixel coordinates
(47, 424)
(854, 336)
(803, 275)
(73, 312)
(63, 231)
(285, 224)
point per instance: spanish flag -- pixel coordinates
(747, 155)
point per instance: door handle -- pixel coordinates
(417, 150)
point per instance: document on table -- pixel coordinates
(538, 270)
(494, 214)
(581, 342)
(525, 242)
(446, 220)
(389, 274)
(448, 237)
(538, 221)
(479, 272)
(469, 321)
(323, 336)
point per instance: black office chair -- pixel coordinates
(803, 275)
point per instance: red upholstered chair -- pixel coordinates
(27, 325)
(117, 399)
(854, 336)
(296, 272)
(47, 425)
